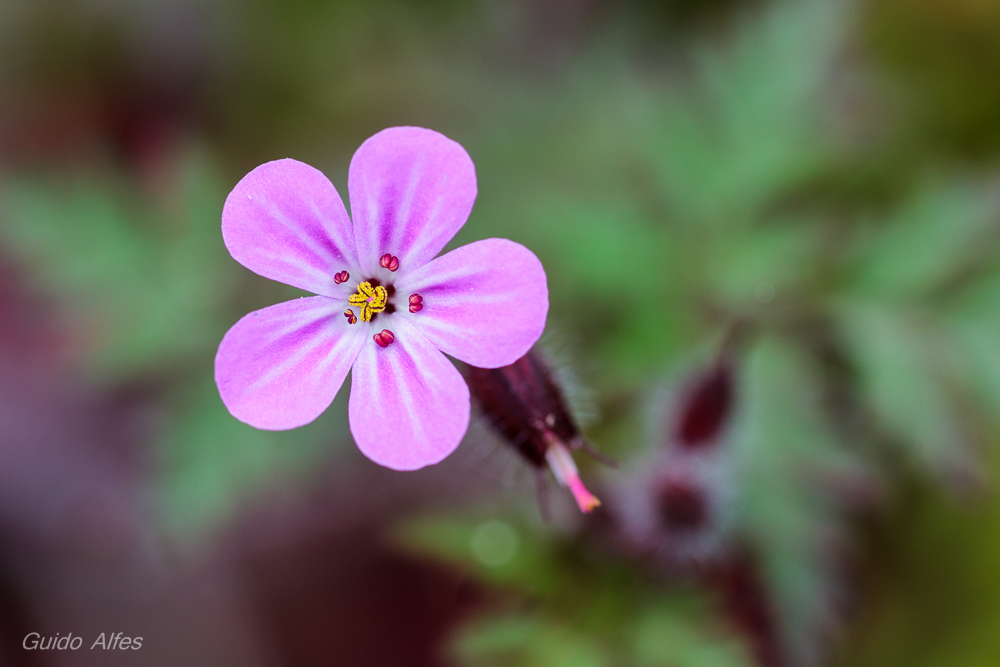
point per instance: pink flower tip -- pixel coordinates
(562, 466)
(586, 500)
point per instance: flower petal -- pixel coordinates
(411, 190)
(409, 405)
(484, 303)
(286, 221)
(280, 367)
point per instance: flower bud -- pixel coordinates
(527, 407)
(674, 504)
(705, 408)
(673, 509)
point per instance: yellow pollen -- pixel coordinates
(370, 299)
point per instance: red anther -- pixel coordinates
(337, 279)
(416, 298)
(416, 306)
(387, 261)
(384, 338)
(351, 317)
(344, 276)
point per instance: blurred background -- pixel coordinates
(772, 236)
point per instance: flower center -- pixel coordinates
(371, 300)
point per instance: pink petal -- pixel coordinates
(484, 303)
(286, 221)
(411, 190)
(280, 367)
(409, 405)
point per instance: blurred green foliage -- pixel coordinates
(593, 610)
(932, 596)
(815, 169)
(145, 282)
(941, 56)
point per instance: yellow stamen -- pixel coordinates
(370, 299)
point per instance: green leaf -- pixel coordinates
(908, 371)
(754, 126)
(784, 450)
(935, 237)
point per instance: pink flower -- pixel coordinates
(386, 307)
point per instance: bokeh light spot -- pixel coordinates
(494, 543)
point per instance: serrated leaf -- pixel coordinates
(906, 365)
(935, 235)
